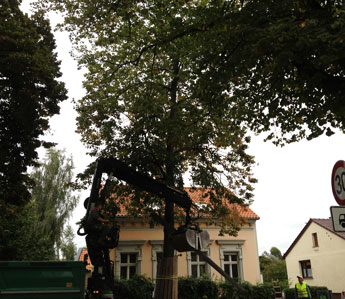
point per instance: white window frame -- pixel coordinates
(198, 262)
(230, 262)
(133, 246)
(232, 246)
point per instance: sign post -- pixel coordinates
(338, 218)
(338, 182)
(338, 189)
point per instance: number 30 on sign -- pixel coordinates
(338, 182)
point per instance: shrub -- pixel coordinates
(290, 293)
(263, 291)
(197, 288)
(138, 287)
(230, 291)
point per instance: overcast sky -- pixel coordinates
(294, 181)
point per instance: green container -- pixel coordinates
(38, 280)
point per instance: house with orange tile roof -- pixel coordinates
(318, 255)
(141, 246)
(82, 256)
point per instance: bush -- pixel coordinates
(290, 293)
(197, 288)
(230, 291)
(263, 291)
(138, 287)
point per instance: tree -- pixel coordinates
(19, 237)
(68, 248)
(52, 197)
(29, 94)
(282, 64)
(143, 103)
(275, 252)
(35, 231)
(273, 267)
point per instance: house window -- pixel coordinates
(231, 260)
(231, 266)
(197, 266)
(315, 240)
(128, 257)
(128, 266)
(306, 269)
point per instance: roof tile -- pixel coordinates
(197, 195)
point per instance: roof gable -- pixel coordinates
(325, 223)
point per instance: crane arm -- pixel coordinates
(118, 169)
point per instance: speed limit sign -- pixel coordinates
(338, 182)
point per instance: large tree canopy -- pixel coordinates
(284, 64)
(145, 101)
(29, 95)
(281, 64)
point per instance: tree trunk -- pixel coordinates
(166, 283)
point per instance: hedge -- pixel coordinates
(197, 288)
(290, 293)
(140, 287)
(229, 291)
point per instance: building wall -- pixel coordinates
(245, 243)
(327, 260)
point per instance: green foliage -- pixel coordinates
(34, 232)
(19, 238)
(229, 291)
(145, 104)
(29, 95)
(138, 287)
(284, 67)
(276, 253)
(290, 293)
(276, 270)
(196, 288)
(52, 196)
(264, 261)
(313, 290)
(273, 267)
(281, 71)
(67, 247)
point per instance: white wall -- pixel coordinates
(327, 260)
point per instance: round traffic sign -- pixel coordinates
(338, 182)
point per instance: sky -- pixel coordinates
(294, 182)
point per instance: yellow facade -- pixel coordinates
(141, 245)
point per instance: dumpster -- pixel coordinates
(36, 280)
